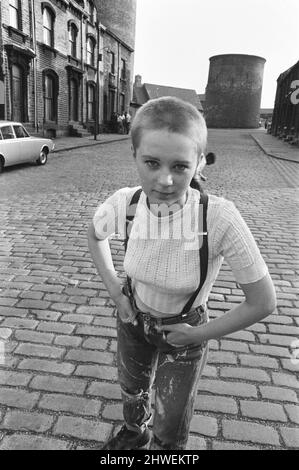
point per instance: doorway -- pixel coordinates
(73, 100)
(18, 93)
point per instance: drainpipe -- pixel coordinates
(34, 65)
(97, 110)
(82, 68)
(117, 90)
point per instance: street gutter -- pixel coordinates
(91, 144)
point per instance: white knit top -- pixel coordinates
(162, 256)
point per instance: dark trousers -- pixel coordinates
(145, 358)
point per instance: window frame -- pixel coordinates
(123, 73)
(46, 30)
(112, 63)
(91, 11)
(90, 54)
(73, 38)
(14, 6)
(49, 101)
(91, 86)
(50, 74)
(122, 102)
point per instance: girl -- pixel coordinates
(178, 239)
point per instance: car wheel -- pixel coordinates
(1, 165)
(43, 157)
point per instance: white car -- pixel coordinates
(17, 146)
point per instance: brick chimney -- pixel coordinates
(138, 81)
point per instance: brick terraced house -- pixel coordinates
(63, 69)
(285, 121)
(2, 91)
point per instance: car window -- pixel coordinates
(7, 132)
(20, 131)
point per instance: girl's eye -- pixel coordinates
(152, 163)
(181, 167)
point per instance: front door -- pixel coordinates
(73, 100)
(17, 93)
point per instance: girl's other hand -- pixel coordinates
(180, 334)
(125, 310)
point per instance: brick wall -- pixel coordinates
(121, 86)
(2, 89)
(59, 60)
(20, 38)
(56, 59)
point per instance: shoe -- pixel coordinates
(127, 440)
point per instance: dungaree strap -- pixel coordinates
(130, 217)
(203, 252)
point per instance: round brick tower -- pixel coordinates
(233, 92)
(120, 17)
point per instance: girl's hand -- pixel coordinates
(124, 308)
(180, 334)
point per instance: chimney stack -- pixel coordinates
(138, 80)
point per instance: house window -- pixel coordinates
(50, 98)
(91, 101)
(48, 26)
(122, 102)
(123, 69)
(112, 62)
(90, 51)
(91, 12)
(111, 102)
(73, 33)
(14, 13)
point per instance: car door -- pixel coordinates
(9, 146)
(25, 144)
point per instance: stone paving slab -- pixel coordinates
(275, 147)
(58, 375)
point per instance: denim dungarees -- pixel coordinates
(145, 359)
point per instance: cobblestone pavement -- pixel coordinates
(58, 380)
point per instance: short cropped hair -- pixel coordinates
(172, 114)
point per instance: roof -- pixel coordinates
(149, 91)
(284, 74)
(157, 91)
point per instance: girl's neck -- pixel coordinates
(163, 210)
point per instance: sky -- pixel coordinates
(176, 38)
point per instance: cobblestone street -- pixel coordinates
(58, 377)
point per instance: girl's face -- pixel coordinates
(166, 163)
